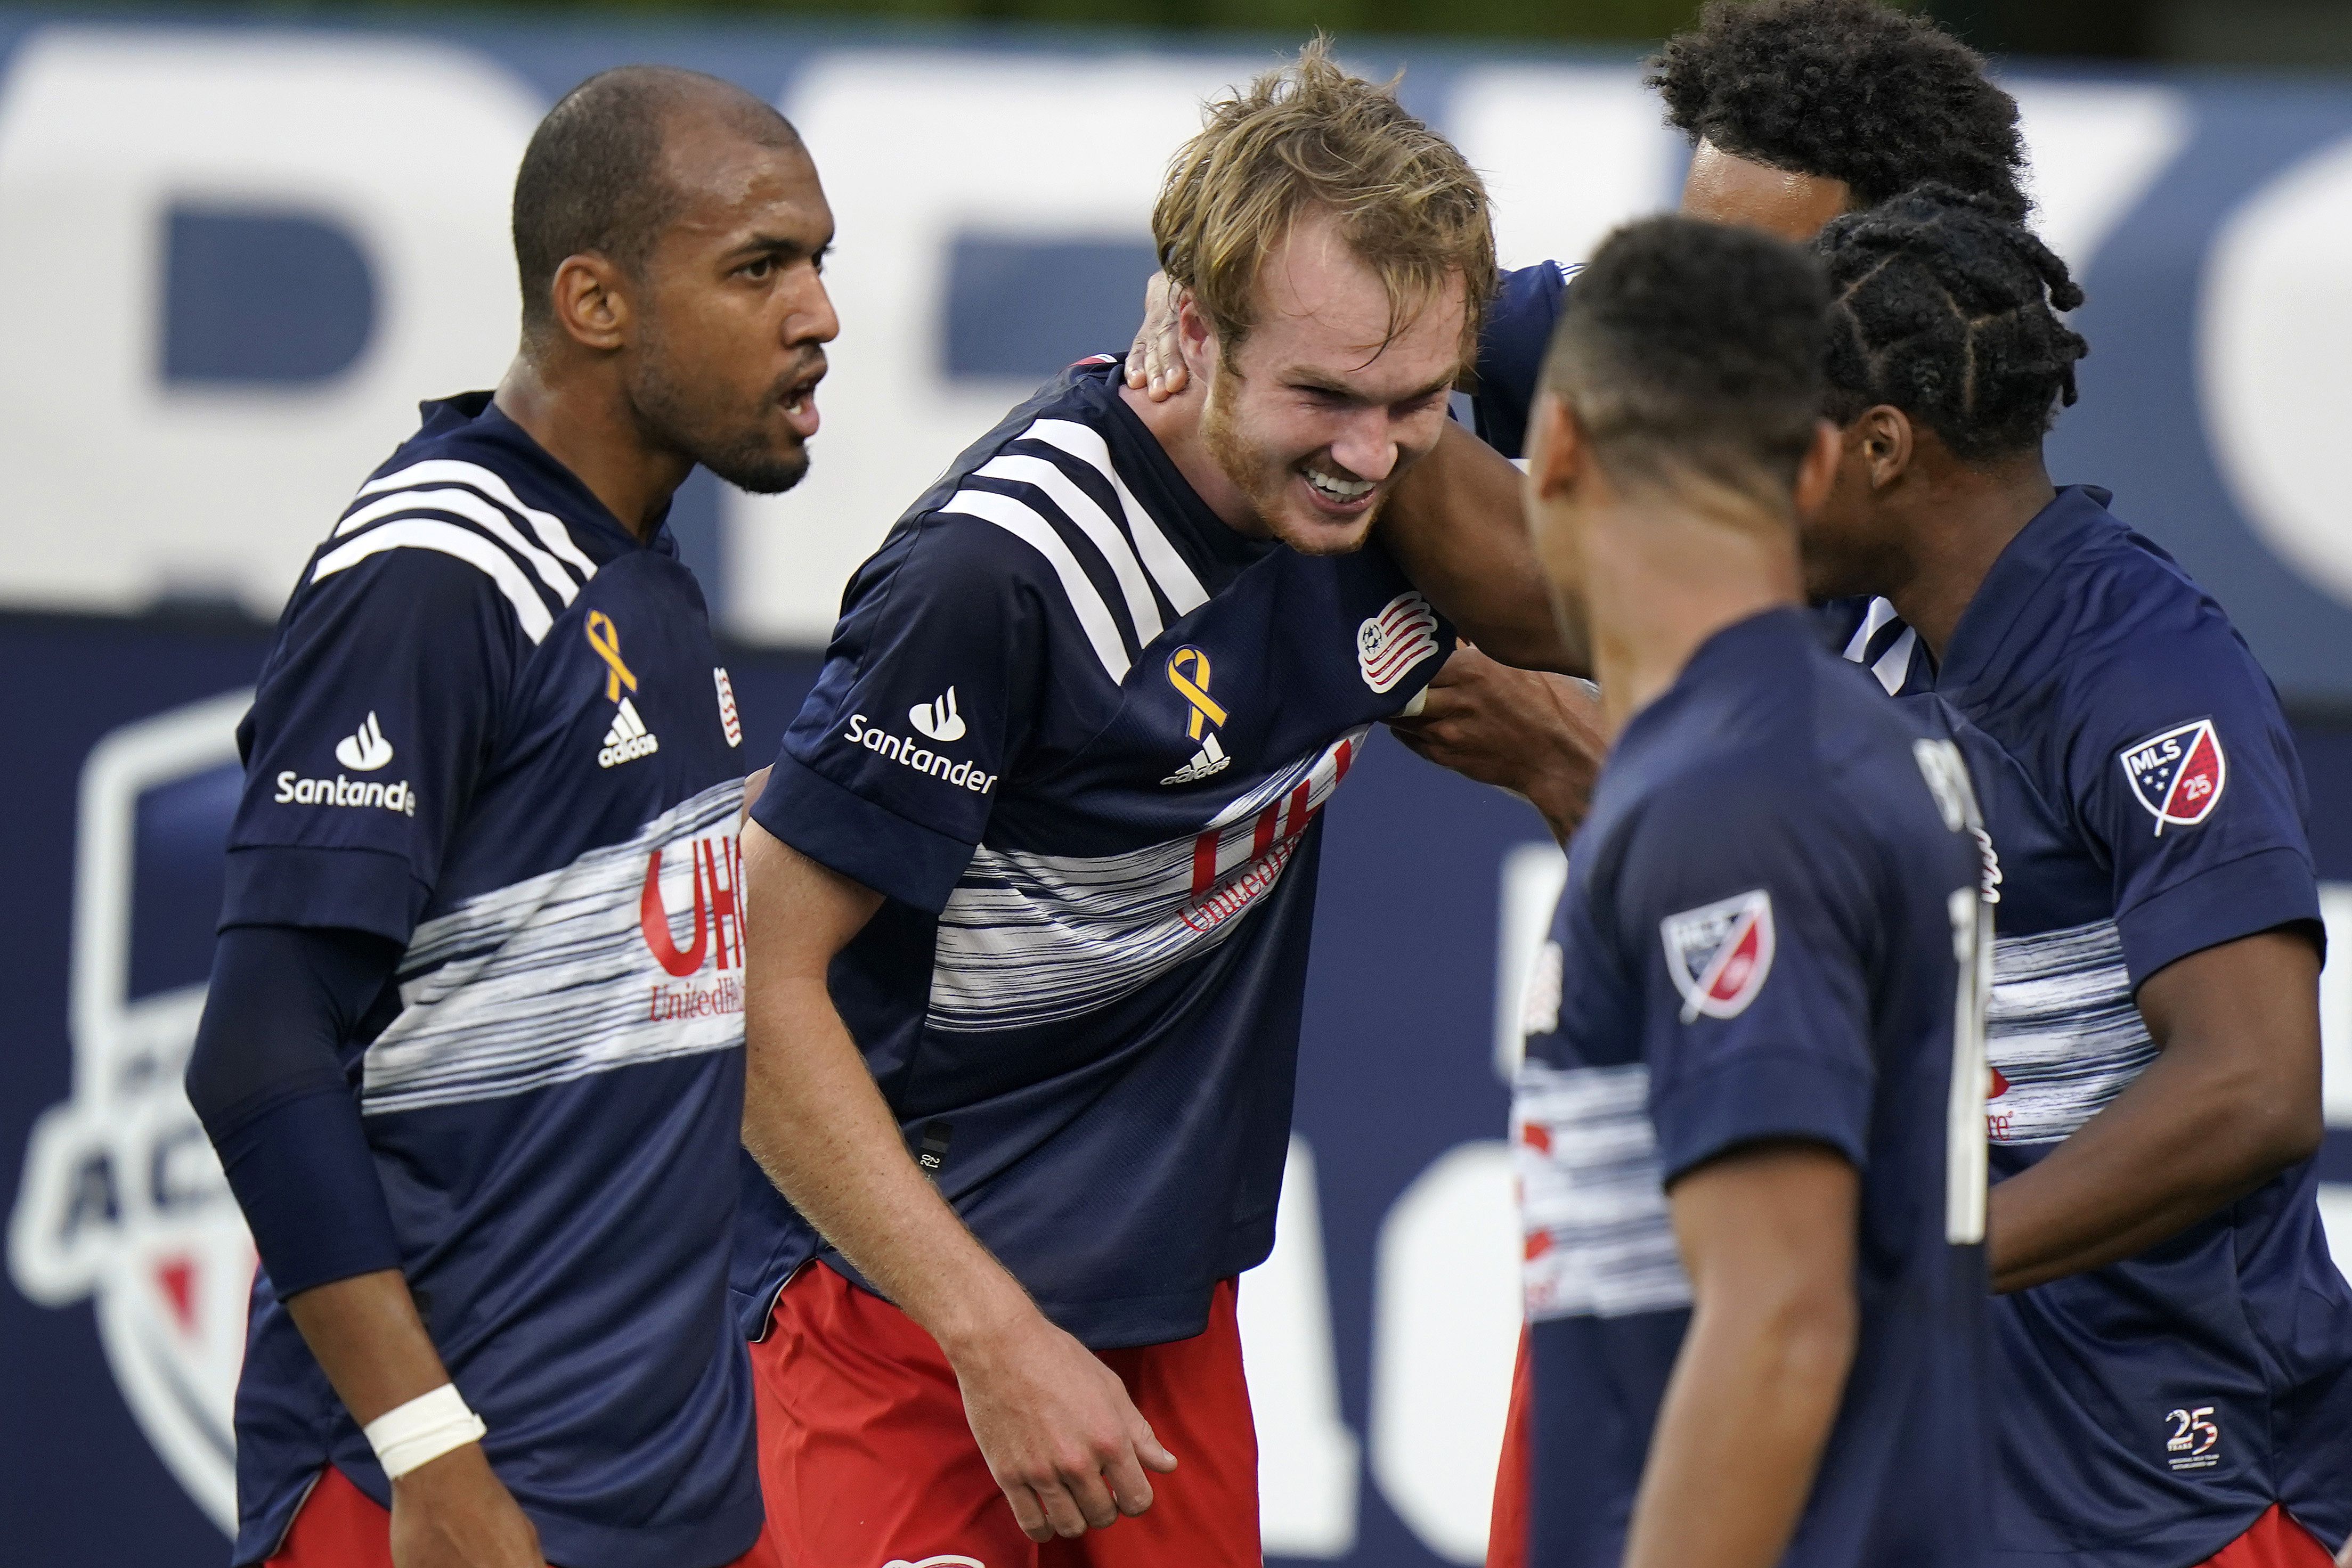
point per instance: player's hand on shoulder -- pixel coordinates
(455, 1512)
(1060, 1434)
(1153, 366)
(1535, 734)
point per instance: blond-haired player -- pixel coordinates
(1032, 877)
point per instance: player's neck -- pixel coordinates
(584, 423)
(1660, 577)
(1176, 425)
(1958, 522)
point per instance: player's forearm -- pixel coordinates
(2231, 1099)
(1456, 525)
(2178, 1145)
(367, 1337)
(816, 1123)
(1740, 1435)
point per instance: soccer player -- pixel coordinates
(2175, 1344)
(1794, 116)
(1758, 1038)
(472, 1052)
(1032, 879)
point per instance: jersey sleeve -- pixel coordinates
(1750, 929)
(1511, 349)
(372, 721)
(2185, 773)
(890, 772)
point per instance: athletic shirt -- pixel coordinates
(492, 726)
(2146, 798)
(1079, 733)
(1769, 931)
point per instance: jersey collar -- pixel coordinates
(475, 416)
(2030, 567)
(1210, 546)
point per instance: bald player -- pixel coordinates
(491, 784)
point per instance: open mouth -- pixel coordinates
(1335, 494)
(799, 400)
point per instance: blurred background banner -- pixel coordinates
(236, 255)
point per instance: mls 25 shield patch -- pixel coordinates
(1719, 954)
(2177, 775)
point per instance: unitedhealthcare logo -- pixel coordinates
(366, 750)
(939, 719)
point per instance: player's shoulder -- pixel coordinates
(457, 521)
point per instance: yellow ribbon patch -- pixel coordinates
(1195, 690)
(605, 638)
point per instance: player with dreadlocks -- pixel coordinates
(2174, 1367)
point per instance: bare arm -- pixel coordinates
(1060, 1434)
(2231, 1099)
(1533, 733)
(449, 1512)
(1457, 525)
(1766, 1235)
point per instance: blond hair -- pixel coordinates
(1309, 137)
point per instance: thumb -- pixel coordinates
(1147, 1449)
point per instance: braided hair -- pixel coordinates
(1943, 307)
(1844, 89)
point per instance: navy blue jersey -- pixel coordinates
(1511, 349)
(492, 726)
(2148, 802)
(1079, 732)
(1772, 929)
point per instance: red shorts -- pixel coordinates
(2276, 1540)
(1507, 1530)
(340, 1526)
(866, 1458)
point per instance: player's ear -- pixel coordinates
(589, 303)
(1557, 453)
(1817, 471)
(1886, 437)
(1196, 339)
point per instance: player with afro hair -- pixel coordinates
(1849, 92)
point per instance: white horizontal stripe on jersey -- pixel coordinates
(2062, 1032)
(1022, 523)
(550, 528)
(473, 509)
(1176, 580)
(1600, 1240)
(548, 980)
(1028, 938)
(448, 538)
(1079, 508)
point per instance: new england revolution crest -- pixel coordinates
(2178, 774)
(1719, 954)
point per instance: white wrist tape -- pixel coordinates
(422, 1430)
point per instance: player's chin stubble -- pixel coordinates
(743, 452)
(1265, 482)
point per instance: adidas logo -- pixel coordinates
(366, 750)
(628, 739)
(1210, 758)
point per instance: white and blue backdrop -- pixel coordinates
(233, 257)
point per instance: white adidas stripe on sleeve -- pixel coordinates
(553, 534)
(1160, 558)
(473, 509)
(1079, 508)
(448, 538)
(1023, 524)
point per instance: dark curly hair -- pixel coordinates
(1844, 89)
(1943, 307)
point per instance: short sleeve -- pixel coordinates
(1749, 925)
(2186, 775)
(890, 770)
(375, 718)
(1511, 349)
